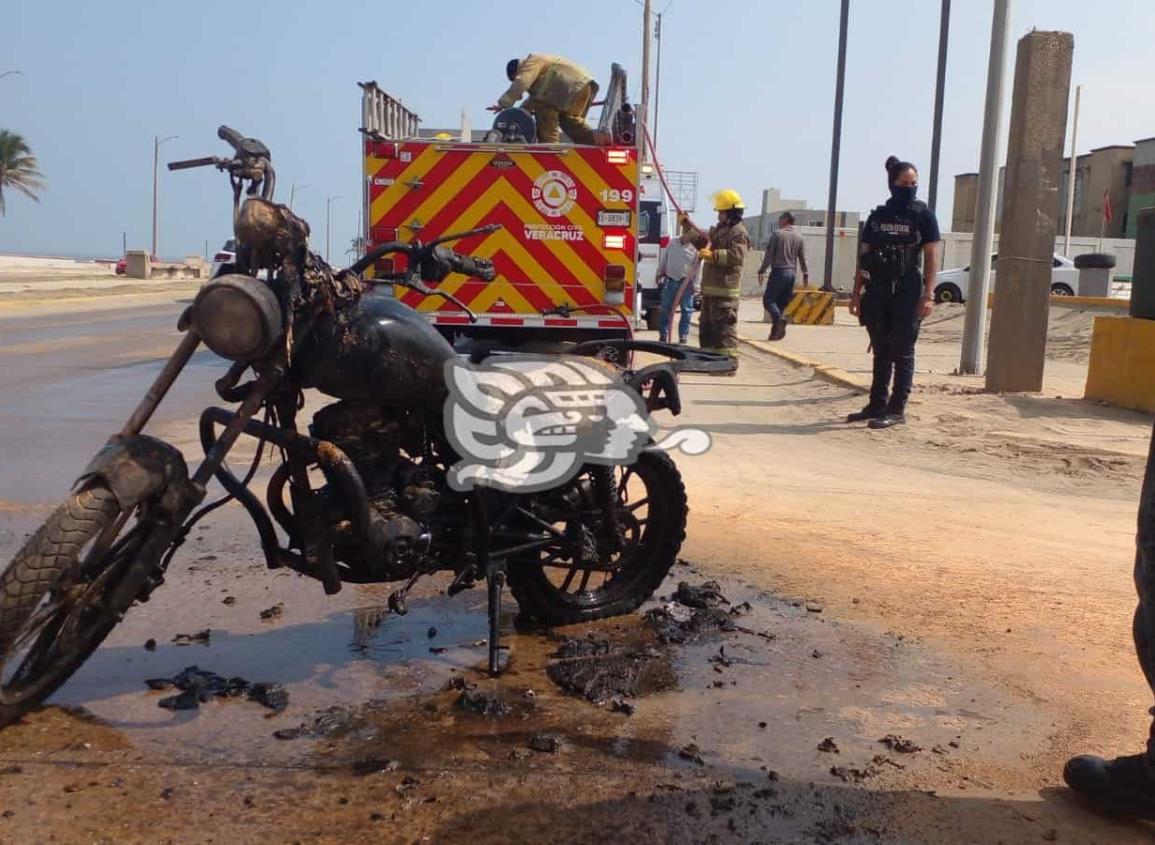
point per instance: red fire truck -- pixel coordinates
(566, 255)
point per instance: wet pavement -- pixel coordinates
(770, 725)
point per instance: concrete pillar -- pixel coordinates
(137, 264)
(1143, 273)
(1018, 338)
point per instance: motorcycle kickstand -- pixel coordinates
(495, 580)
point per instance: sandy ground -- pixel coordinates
(32, 280)
(963, 582)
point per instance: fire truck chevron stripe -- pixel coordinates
(542, 260)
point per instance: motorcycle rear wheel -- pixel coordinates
(651, 511)
(52, 609)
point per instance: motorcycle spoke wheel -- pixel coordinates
(589, 571)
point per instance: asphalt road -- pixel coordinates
(70, 376)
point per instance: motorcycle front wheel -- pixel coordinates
(584, 576)
(55, 606)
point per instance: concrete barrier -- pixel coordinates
(1122, 363)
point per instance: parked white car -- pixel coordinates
(227, 254)
(952, 285)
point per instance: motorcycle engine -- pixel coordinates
(401, 495)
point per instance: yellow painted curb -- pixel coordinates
(826, 372)
(1093, 301)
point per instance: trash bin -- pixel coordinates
(1143, 274)
(1096, 272)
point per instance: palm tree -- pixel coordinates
(18, 168)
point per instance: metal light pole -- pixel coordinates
(10, 73)
(1072, 171)
(293, 193)
(974, 329)
(156, 142)
(835, 148)
(328, 203)
(939, 88)
(657, 74)
(645, 105)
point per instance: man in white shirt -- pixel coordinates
(678, 271)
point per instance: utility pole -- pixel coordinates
(328, 203)
(657, 74)
(156, 142)
(835, 148)
(974, 328)
(939, 89)
(645, 81)
(1072, 171)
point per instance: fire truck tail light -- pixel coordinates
(383, 266)
(615, 277)
(384, 149)
(664, 242)
(615, 241)
(383, 235)
(617, 156)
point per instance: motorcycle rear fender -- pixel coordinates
(139, 468)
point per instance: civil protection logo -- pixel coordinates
(526, 423)
(554, 193)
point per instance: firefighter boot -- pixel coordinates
(1123, 786)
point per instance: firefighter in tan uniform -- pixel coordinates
(560, 93)
(722, 276)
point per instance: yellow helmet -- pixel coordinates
(726, 199)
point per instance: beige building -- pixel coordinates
(761, 226)
(1105, 170)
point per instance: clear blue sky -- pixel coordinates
(746, 94)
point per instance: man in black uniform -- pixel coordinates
(1126, 785)
(898, 240)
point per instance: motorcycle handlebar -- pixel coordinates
(189, 163)
(468, 265)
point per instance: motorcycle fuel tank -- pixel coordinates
(380, 350)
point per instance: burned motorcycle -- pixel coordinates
(363, 496)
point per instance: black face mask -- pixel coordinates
(903, 195)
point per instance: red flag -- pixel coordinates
(1107, 212)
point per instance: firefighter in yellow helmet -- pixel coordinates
(722, 276)
(560, 93)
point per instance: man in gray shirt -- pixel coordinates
(784, 252)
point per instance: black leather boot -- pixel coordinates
(870, 412)
(1123, 786)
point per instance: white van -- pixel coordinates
(655, 227)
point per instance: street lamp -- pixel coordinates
(328, 202)
(10, 73)
(293, 193)
(156, 142)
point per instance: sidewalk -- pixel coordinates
(960, 412)
(844, 345)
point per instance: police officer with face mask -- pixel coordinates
(894, 291)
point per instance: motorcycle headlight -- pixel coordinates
(238, 317)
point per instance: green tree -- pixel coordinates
(18, 168)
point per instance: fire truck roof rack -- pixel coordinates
(384, 117)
